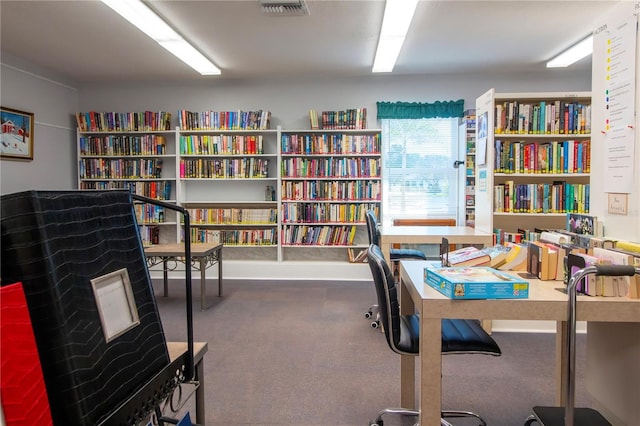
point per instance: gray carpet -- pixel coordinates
(302, 353)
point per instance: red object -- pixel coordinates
(24, 395)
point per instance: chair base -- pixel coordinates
(554, 416)
(415, 413)
(374, 315)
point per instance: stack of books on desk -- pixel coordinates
(480, 282)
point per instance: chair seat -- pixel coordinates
(404, 254)
(458, 336)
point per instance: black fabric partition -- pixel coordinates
(55, 243)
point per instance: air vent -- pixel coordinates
(284, 7)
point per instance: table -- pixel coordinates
(545, 302)
(203, 256)
(390, 235)
(176, 349)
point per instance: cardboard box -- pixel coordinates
(479, 282)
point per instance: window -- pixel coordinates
(419, 180)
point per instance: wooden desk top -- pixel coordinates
(178, 348)
(545, 302)
(432, 234)
(177, 249)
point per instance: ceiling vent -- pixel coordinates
(284, 7)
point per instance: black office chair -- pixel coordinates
(396, 255)
(403, 332)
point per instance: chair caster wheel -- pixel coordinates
(375, 324)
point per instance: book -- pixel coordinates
(554, 237)
(577, 261)
(628, 246)
(616, 286)
(497, 253)
(583, 224)
(516, 259)
(542, 260)
(480, 282)
(467, 256)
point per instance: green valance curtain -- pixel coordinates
(403, 110)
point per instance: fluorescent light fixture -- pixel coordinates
(395, 24)
(152, 25)
(576, 52)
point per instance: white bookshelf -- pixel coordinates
(536, 208)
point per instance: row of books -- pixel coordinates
(158, 190)
(570, 156)
(113, 145)
(556, 197)
(225, 168)
(332, 190)
(359, 256)
(553, 117)
(583, 229)
(318, 235)
(233, 216)
(353, 118)
(102, 168)
(541, 259)
(149, 235)
(330, 144)
(235, 237)
(559, 261)
(149, 213)
(225, 120)
(221, 144)
(331, 167)
(325, 212)
(93, 121)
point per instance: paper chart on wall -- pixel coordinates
(616, 43)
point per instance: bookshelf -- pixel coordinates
(329, 179)
(535, 165)
(468, 133)
(228, 180)
(133, 151)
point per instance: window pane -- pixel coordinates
(418, 177)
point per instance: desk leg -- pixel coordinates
(200, 407)
(386, 250)
(220, 272)
(203, 282)
(561, 366)
(430, 370)
(165, 276)
(407, 362)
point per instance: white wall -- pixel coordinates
(53, 100)
(289, 100)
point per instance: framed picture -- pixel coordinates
(116, 304)
(16, 139)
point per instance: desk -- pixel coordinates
(199, 349)
(430, 235)
(203, 256)
(544, 303)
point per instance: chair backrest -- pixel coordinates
(387, 293)
(372, 227)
